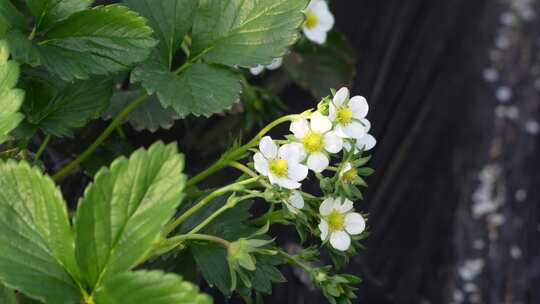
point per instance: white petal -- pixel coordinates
(327, 206)
(332, 142)
(315, 34)
(296, 200)
(318, 162)
(354, 223)
(293, 152)
(323, 227)
(332, 112)
(320, 123)
(355, 130)
(261, 164)
(297, 172)
(291, 208)
(256, 70)
(341, 96)
(268, 148)
(273, 179)
(359, 106)
(340, 240)
(276, 64)
(340, 131)
(299, 128)
(326, 20)
(366, 123)
(345, 206)
(288, 183)
(367, 142)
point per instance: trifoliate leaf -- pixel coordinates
(246, 33)
(149, 287)
(123, 212)
(72, 107)
(170, 20)
(319, 67)
(36, 239)
(47, 12)
(95, 41)
(10, 99)
(10, 17)
(201, 89)
(149, 115)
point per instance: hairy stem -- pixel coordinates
(232, 187)
(104, 135)
(42, 147)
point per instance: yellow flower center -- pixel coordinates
(311, 20)
(279, 167)
(313, 142)
(344, 115)
(336, 220)
(350, 176)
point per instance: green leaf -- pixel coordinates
(95, 41)
(47, 12)
(123, 212)
(7, 295)
(10, 99)
(72, 107)
(149, 287)
(149, 115)
(246, 33)
(201, 89)
(36, 239)
(319, 67)
(21, 48)
(170, 20)
(10, 17)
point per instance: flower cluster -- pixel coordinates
(337, 131)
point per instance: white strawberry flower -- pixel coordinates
(319, 21)
(364, 143)
(294, 202)
(348, 114)
(276, 64)
(316, 140)
(339, 222)
(280, 164)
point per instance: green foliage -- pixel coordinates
(149, 287)
(10, 99)
(7, 295)
(150, 115)
(142, 192)
(69, 107)
(47, 12)
(36, 239)
(9, 17)
(243, 33)
(202, 89)
(94, 41)
(319, 67)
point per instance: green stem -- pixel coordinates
(232, 187)
(112, 126)
(196, 236)
(230, 204)
(42, 147)
(235, 154)
(293, 260)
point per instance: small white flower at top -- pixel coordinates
(276, 64)
(280, 164)
(319, 21)
(294, 202)
(348, 114)
(339, 222)
(316, 140)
